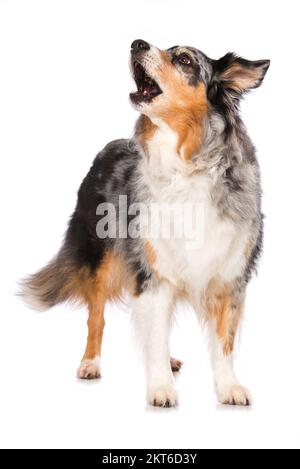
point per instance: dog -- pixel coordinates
(190, 147)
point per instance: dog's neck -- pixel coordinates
(185, 133)
(202, 147)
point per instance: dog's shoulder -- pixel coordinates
(112, 170)
(116, 151)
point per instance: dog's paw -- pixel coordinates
(175, 364)
(163, 396)
(234, 395)
(89, 369)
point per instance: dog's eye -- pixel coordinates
(184, 59)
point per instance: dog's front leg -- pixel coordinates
(224, 309)
(153, 315)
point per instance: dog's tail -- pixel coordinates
(49, 286)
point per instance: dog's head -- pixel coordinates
(167, 79)
(182, 83)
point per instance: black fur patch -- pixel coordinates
(111, 175)
(231, 180)
(82, 242)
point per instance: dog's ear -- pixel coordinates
(238, 74)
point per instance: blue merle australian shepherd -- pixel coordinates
(190, 148)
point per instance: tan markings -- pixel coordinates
(150, 253)
(95, 290)
(109, 281)
(107, 284)
(219, 306)
(146, 130)
(151, 257)
(182, 107)
(248, 250)
(240, 78)
(95, 327)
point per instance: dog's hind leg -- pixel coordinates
(96, 289)
(90, 364)
(175, 364)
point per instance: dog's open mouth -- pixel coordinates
(147, 88)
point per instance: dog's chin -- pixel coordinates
(147, 88)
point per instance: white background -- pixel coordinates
(64, 85)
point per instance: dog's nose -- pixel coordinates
(139, 45)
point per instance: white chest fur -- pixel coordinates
(216, 248)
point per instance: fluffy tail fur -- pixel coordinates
(49, 286)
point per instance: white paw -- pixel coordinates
(234, 394)
(163, 396)
(89, 369)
